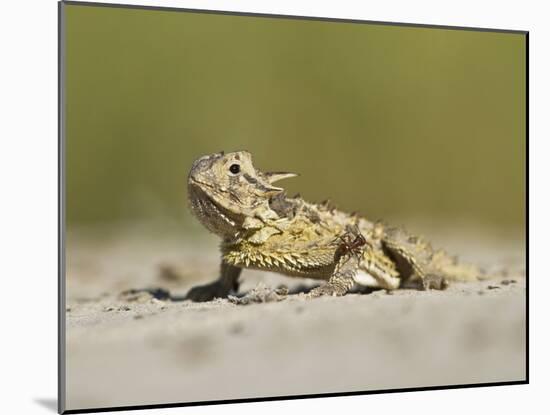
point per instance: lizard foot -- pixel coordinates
(326, 289)
(260, 294)
(207, 292)
(434, 282)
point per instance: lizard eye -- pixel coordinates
(235, 168)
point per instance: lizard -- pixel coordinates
(262, 228)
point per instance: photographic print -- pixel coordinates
(264, 207)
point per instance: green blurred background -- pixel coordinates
(395, 122)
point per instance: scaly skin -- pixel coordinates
(261, 228)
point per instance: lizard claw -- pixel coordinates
(260, 294)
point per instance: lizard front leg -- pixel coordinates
(341, 280)
(221, 288)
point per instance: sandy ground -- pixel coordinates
(138, 347)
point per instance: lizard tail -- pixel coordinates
(454, 270)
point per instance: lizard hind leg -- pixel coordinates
(412, 257)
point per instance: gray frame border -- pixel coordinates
(61, 321)
(61, 244)
(289, 17)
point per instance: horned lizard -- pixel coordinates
(262, 228)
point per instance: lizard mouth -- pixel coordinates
(212, 215)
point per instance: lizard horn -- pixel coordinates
(266, 189)
(273, 177)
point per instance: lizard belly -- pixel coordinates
(364, 278)
(308, 264)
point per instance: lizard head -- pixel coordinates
(226, 192)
